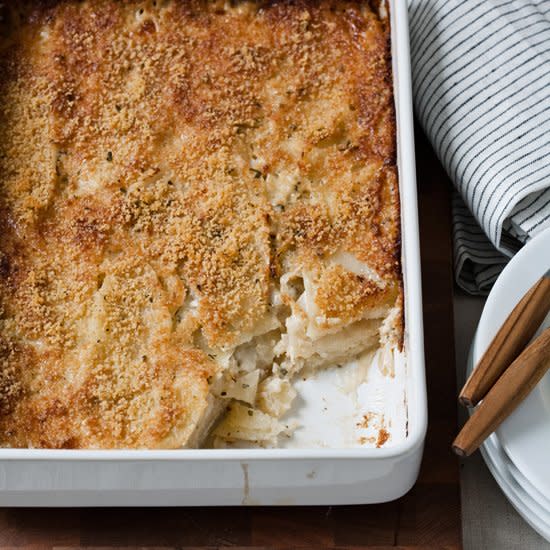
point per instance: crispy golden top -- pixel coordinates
(161, 165)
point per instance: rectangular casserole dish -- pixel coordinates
(32, 477)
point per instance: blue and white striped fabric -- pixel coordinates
(481, 82)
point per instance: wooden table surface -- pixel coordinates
(427, 517)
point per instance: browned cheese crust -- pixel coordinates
(144, 149)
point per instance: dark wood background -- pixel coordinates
(427, 517)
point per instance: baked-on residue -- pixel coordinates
(178, 180)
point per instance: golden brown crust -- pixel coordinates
(160, 154)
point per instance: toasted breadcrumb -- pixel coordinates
(162, 165)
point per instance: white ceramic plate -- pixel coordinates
(524, 503)
(527, 501)
(524, 482)
(525, 435)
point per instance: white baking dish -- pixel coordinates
(32, 477)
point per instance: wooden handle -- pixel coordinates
(513, 336)
(509, 391)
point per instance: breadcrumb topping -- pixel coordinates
(162, 164)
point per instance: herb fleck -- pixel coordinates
(257, 173)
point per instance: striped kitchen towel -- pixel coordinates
(481, 83)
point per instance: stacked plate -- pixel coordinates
(518, 453)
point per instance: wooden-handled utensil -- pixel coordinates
(508, 392)
(513, 336)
